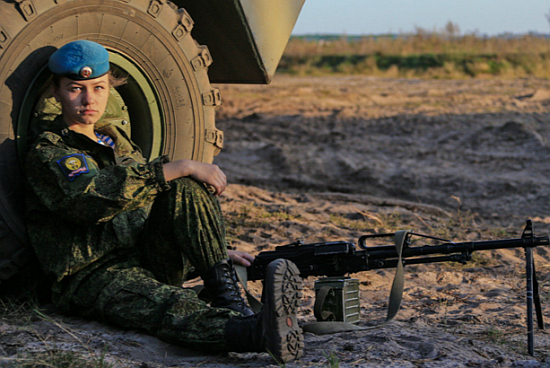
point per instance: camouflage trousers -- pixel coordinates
(142, 289)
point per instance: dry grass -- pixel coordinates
(47, 353)
(425, 54)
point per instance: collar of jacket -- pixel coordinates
(123, 144)
(124, 148)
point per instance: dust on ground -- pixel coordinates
(334, 158)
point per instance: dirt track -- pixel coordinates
(321, 159)
(484, 142)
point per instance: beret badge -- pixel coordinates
(85, 72)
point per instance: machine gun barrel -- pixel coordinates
(386, 256)
(340, 258)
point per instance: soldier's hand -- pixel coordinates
(241, 258)
(205, 173)
(209, 174)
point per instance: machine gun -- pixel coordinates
(340, 258)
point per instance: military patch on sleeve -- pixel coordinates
(73, 165)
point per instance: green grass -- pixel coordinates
(332, 359)
(422, 54)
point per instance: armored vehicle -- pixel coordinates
(169, 52)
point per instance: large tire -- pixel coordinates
(169, 97)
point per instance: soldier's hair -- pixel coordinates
(114, 81)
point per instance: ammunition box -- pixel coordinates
(337, 299)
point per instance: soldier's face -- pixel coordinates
(82, 102)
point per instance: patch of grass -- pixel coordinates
(280, 364)
(250, 216)
(24, 314)
(253, 216)
(501, 233)
(58, 359)
(458, 225)
(391, 221)
(20, 313)
(384, 222)
(482, 259)
(247, 216)
(344, 222)
(282, 214)
(495, 335)
(332, 359)
(73, 359)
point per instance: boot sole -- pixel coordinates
(287, 342)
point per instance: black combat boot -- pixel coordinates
(275, 328)
(222, 288)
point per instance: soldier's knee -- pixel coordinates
(188, 183)
(191, 187)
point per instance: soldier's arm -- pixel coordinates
(72, 185)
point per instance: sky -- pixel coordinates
(365, 17)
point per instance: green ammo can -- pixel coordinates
(337, 299)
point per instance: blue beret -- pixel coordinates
(80, 60)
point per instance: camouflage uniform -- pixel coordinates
(118, 239)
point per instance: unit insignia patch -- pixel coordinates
(73, 165)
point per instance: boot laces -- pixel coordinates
(233, 287)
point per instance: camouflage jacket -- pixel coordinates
(86, 201)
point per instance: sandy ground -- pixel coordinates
(334, 158)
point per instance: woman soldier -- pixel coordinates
(118, 234)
